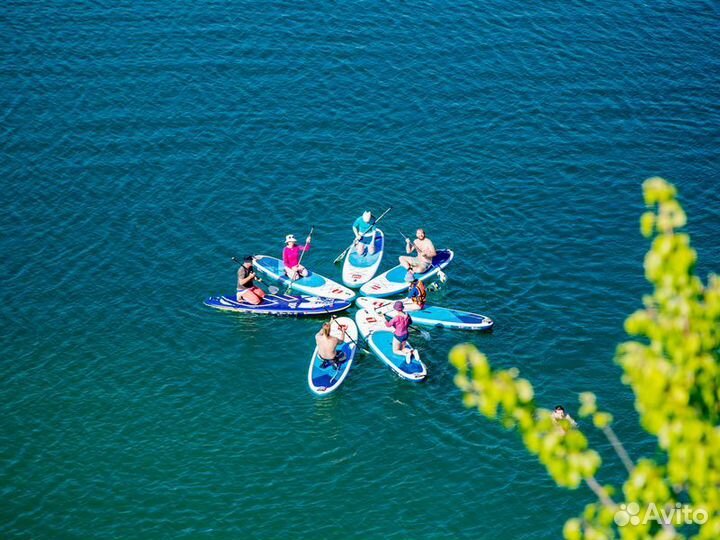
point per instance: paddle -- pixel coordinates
(342, 255)
(441, 274)
(271, 288)
(333, 318)
(423, 333)
(302, 253)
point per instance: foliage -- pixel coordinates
(672, 367)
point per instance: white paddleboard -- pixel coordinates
(313, 284)
(359, 269)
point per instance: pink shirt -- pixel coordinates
(401, 324)
(291, 255)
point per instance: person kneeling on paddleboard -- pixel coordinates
(327, 347)
(361, 227)
(291, 257)
(416, 291)
(247, 291)
(425, 250)
(401, 322)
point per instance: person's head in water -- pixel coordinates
(420, 233)
(367, 215)
(559, 412)
(247, 261)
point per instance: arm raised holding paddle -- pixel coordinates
(292, 258)
(426, 252)
(293, 254)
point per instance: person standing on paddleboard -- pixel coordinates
(247, 291)
(327, 345)
(291, 257)
(425, 253)
(360, 227)
(401, 323)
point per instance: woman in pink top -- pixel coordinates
(291, 257)
(401, 322)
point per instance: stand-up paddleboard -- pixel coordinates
(324, 380)
(314, 284)
(393, 281)
(373, 330)
(430, 315)
(359, 269)
(281, 305)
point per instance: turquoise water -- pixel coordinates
(144, 143)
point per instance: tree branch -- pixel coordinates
(619, 449)
(600, 492)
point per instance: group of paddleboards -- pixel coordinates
(380, 322)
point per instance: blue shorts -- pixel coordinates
(402, 338)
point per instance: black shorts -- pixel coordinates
(336, 362)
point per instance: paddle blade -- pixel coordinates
(340, 257)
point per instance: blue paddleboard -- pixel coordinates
(281, 305)
(430, 315)
(324, 380)
(380, 339)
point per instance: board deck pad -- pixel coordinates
(359, 269)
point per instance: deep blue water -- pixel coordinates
(144, 143)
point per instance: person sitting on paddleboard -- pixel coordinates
(425, 253)
(327, 346)
(247, 291)
(361, 227)
(401, 322)
(416, 292)
(291, 257)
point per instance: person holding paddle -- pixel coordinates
(247, 291)
(417, 292)
(292, 254)
(401, 323)
(425, 253)
(364, 226)
(327, 345)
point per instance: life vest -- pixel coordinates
(422, 294)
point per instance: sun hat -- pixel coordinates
(290, 238)
(399, 306)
